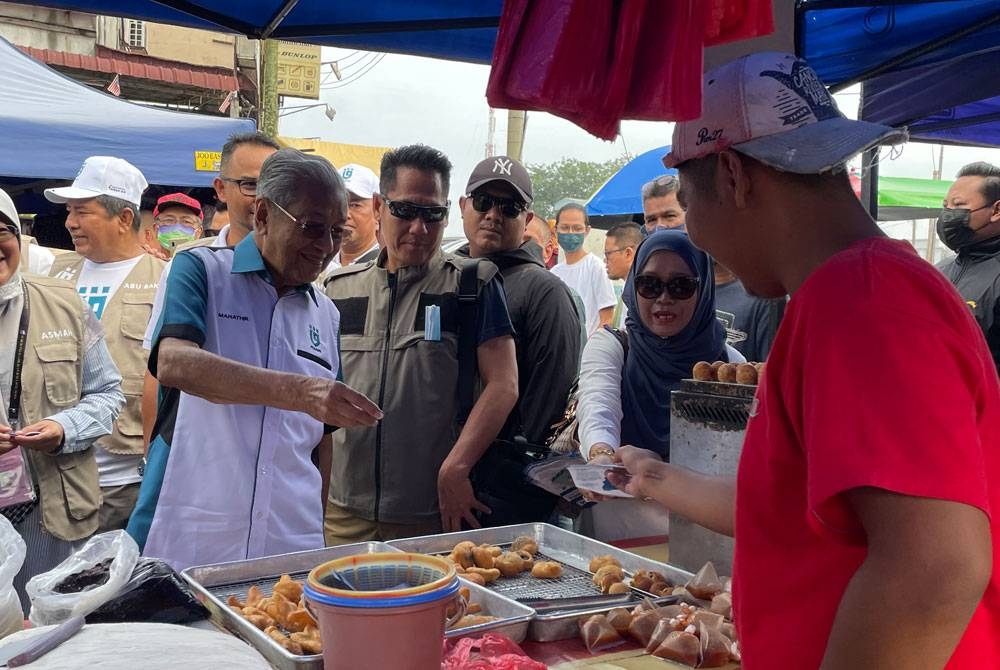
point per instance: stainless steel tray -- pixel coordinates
(559, 603)
(512, 617)
(212, 584)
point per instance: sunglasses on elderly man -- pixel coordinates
(678, 288)
(407, 211)
(509, 208)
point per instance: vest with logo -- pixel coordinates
(51, 382)
(124, 320)
(389, 472)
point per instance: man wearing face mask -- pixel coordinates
(583, 271)
(177, 220)
(970, 226)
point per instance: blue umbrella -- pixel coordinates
(622, 193)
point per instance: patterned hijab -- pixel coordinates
(655, 365)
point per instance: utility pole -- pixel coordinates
(931, 223)
(517, 122)
(268, 120)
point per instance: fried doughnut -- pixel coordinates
(474, 578)
(510, 564)
(524, 543)
(546, 570)
(746, 374)
(618, 588)
(597, 562)
(715, 367)
(462, 554)
(608, 569)
(642, 579)
(488, 574)
(702, 371)
(727, 373)
(482, 556)
(527, 558)
(494, 550)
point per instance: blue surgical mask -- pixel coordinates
(571, 242)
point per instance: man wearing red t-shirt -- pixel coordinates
(864, 505)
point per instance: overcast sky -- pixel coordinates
(391, 100)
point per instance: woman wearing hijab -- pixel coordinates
(59, 391)
(624, 397)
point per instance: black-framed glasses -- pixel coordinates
(7, 232)
(313, 230)
(247, 187)
(609, 252)
(678, 288)
(509, 208)
(407, 211)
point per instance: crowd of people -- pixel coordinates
(318, 371)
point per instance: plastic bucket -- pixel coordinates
(395, 618)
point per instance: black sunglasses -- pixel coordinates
(678, 288)
(408, 211)
(509, 208)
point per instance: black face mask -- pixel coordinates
(953, 227)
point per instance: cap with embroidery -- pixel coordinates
(773, 107)
(103, 175)
(178, 199)
(359, 180)
(501, 168)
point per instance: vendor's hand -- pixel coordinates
(5, 441)
(337, 404)
(598, 455)
(50, 436)
(456, 499)
(645, 470)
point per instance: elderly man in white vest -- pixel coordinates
(118, 280)
(246, 352)
(59, 391)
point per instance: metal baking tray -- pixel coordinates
(512, 617)
(559, 603)
(212, 584)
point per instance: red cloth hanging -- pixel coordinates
(596, 62)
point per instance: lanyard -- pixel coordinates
(14, 410)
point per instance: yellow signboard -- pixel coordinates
(298, 70)
(207, 161)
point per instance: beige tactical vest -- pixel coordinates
(124, 320)
(389, 472)
(51, 382)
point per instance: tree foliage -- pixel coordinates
(568, 178)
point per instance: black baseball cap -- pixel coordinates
(501, 168)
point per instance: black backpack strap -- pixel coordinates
(621, 336)
(468, 315)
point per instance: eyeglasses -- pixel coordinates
(7, 233)
(609, 252)
(173, 221)
(509, 208)
(678, 288)
(313, 230)
(407, 211)
(248, 187)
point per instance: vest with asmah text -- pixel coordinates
(389, 472)
(51, 382)
(124, 320)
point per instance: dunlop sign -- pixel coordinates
(298, 70)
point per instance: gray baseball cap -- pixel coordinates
(501, 168)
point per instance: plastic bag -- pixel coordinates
(492, 651)
(154, 594)
(48, 606)
(12, 552)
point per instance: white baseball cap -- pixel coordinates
(360, 181)
(103, 175)
(8, 210)
(773, 107)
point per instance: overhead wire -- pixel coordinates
(355, 76)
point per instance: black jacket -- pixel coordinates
(975, 272)
(547, 336)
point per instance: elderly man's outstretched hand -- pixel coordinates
(337, 404)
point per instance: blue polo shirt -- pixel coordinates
(229, 481)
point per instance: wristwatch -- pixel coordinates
(598, 450)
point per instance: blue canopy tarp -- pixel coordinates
(52, 123)
(463, 30)
(622, 193)
(928, 65)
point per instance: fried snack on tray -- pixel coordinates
(746, 374)
(278, 615)
(703, 372)
(727, 373)
(524, 543)
(461, 554)
(546, 570)
(511, 564)
(489, 575)
(289, 588)
(598, 562)
(483, 556)
(308, 640)
(290, 645)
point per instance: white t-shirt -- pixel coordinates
(40, 259)
(97, 283)
(589, 278)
